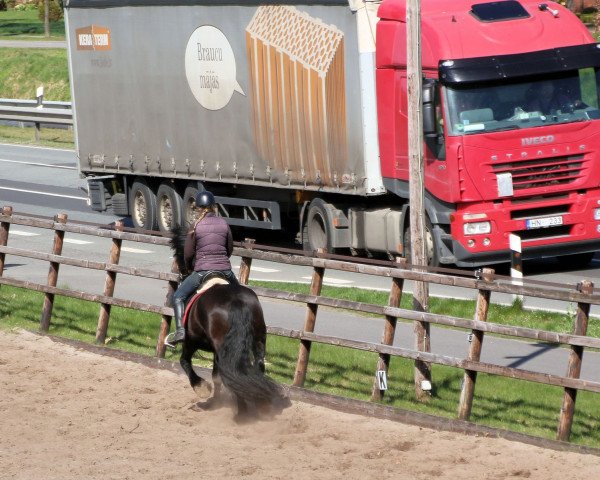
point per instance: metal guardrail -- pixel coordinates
(31, 111)
(18, 102)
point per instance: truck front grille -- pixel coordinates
(542, 172)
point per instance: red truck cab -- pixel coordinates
(512, 125)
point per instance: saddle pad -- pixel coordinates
(203, 288)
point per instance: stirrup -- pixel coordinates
(169, 340)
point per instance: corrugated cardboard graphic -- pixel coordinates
(298, 92)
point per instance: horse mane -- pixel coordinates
(177, 243)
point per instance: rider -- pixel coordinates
(208, 246)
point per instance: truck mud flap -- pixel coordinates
(97, 196)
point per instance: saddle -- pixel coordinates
(211, 279)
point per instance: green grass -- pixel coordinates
(49, 137)
(499, 402)
(23, 70)
(26, 25)
(507, 315)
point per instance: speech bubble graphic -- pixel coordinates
(210, 68)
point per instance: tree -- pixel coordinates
(49, 11)
(46, 18)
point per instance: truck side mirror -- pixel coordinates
(429, 126)
(434, 139)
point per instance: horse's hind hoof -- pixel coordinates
(282, 403)
(204, 389)
(244, 418)
(211, 404)
(199, 407)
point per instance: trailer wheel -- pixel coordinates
(143, 206)
(189, 203)
(430, 250)
(169, 210)
(317, 230)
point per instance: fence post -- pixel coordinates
(475, 344)
(574, 367)
(109, 286)
(53, 274)
(422, 330)
(389, 329)
(165, 323)
(4, 228)
(244, 273)
(309, 326)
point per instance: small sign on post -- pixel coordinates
(516, 261)
(382, 379)
(40, 95)
(40, 100)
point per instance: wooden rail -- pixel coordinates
(485, 283)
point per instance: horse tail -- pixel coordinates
(237, 368)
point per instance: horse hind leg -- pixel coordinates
(243, 414)
(216, 377)
(200, 386)
(258, 349)
(216, 400)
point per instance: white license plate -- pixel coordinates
(544, 222)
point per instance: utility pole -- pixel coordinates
(417, 188)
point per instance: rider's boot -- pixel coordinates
(179, 334)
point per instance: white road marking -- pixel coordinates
(38, 164)
(256, 269)
(264, 270)
(134, 250)
(43, 193)
(77, 242)
(14, 145)
(21, 233)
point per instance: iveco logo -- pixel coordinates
(544, 139)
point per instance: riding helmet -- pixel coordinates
(205, 199)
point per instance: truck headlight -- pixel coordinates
(477, 228)
(597, 214)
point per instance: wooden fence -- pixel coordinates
(484, 282)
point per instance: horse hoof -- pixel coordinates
(197, 407)
(211, 404)
(283, 403)
(204, 389)
(243, 418)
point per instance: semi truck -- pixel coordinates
(294, 114)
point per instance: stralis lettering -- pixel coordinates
(545, 139)
(210, 54)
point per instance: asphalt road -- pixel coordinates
(46, 182)
(33, 44)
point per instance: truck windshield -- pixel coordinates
(523, 102)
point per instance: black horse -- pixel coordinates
(228, 321)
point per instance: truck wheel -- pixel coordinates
(169, 210)
(189, 202)
(143, 206)
(430, 250)
(317, 231)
